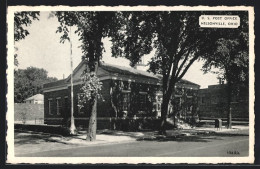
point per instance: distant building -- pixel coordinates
(212, 102)
(133, 92)
(36, 99)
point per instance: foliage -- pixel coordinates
(134, 88)
(23, 116)
(176, 37)
(116, 96)
(230, 55)
(232, 62)
(91, 88)
(28, 82)
(92, 26)
(230, 52)
(22, 20)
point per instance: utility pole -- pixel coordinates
(72, 124)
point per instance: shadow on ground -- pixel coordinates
(190, 138)
(172, 135)
(178, 139)
(178, 135)
(24, 138)
(230, 134)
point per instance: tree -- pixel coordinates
(91, 28)
(177, 38)
(22, 20)
(233, 65)
(230, 55)
(28, 82)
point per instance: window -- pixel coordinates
(66, 102)
(81, 110)
(142, 101)
(203, 100)
(58, 105)
(125, 101)
(66, 107)
(160, 98)
(49, 106)
(214, 100)
(158, 102)
(159, 107)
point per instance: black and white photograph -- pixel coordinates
(130, 85)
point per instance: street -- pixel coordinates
(213, 145)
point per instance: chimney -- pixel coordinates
(140, 65)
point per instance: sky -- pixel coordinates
(42, 49)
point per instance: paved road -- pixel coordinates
(222, 145)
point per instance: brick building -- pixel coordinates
(132, 92)
(212, 102)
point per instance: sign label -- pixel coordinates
(219, 21)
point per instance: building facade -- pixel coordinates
(213, 102)
(126, 93)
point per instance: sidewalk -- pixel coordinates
(26, 142)
(115, 137)
(100, 139)
(223, 129)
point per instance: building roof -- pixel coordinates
(35, 97)
(127, 71)
(184, 81)
(131, 71)
(56, 83)
(120, 70)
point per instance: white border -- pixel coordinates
(130, 160)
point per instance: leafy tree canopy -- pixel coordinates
(92, 27)
(178, 41)
(29, 81)
(22, 20)
(176, 36)
(230, 52)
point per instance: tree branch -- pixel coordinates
(187, 67)
(183, 63)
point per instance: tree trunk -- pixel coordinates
(112, 103)
(164, 113)
(229, 110)
(229, 120)
(92, 128)
(165, 104)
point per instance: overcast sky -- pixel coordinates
(42, 49)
